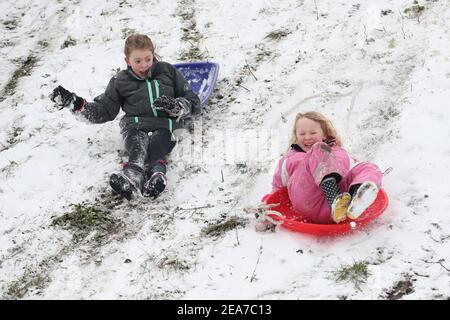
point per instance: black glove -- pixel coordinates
(66, 99)
(177, 108)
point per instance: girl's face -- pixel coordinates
(308, 132)
(140, 61)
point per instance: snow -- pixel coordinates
(383, 79)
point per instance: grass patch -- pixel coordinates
(190, 34)
(263, 53)
(6, 43)
(11, 24)
(24, 69)
(43, 43)
(415, 9)
(30, 280)
(127, 32)
(84, 219)
(69, 42)
(35, 278)
(194, 53)
(13, 136)
(389, 112)
(9, 169)
(219, 228)
(278, 34)
(357, 274)
(173, 263)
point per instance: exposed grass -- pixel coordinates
(13, 138)
(6, 43)
(84, 219)
(24, 69)
(11, 24)
(415, 11)
(9, 168)
(35, 278)
(69, 42)
(173, 263)
(389, 112)
(127, 32)
(13, 135)
(276, 35)
(263, 53)
(190, 34)
(416, 8)
(19, 288)
(193, 54)
(357, 274)
(220, 228)
(43, 43)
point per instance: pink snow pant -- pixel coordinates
(303, 186)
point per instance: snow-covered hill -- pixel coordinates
(379, 69)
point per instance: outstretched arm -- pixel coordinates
(105, 107)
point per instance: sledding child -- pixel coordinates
(324, 183)
(156, 99)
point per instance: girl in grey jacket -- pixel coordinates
(156, 99)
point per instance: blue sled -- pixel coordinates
(202, 76)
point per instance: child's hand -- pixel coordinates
(66, 99)
(179, 107)
(331, 142)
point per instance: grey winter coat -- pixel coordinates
(135, 97)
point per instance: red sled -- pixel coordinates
(294, 221)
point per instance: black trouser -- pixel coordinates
(148, 150)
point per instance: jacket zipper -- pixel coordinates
(150, 94)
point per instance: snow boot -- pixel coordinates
(339, 207)
(338, 202)
(155, 185)
(329, 188)
(129, 182)
(363, 198)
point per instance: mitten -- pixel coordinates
(66, 99)
(176, 108)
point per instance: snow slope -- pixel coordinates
(380, 73)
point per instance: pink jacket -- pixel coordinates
(302, 173)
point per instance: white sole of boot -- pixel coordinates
(364, 197)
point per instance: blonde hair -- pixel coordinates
(139, 42)
(327, 127)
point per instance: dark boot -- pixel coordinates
(155, 185)
(337, 201)
(156, 181)
(129, 182)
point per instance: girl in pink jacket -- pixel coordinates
(324, 184)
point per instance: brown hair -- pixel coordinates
(138, 42)
(327, 127)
